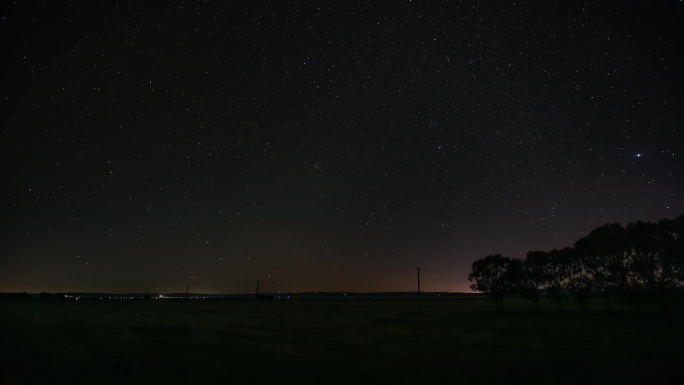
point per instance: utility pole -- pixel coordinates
(418, 269)
(257, 290)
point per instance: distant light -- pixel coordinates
(638, 155)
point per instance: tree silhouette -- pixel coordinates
(607, 258)
(672, 232)
(657, 264)
(673, 249)
(490, 275)
(529, 276)
(556, 272)
(642, 258)
(580, 282)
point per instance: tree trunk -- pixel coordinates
(637, 307)
(499, 305)
(607, 298)
(666, 306)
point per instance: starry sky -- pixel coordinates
(326, 146)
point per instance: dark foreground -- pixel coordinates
(461, 341)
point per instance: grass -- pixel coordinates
(335, 342)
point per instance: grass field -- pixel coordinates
(457, 341)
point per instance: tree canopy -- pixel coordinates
(642, 258)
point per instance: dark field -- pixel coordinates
(457, 341)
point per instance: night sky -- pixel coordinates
(326, 146)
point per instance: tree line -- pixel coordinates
(640, 260)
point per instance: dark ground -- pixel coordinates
(457, 341)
